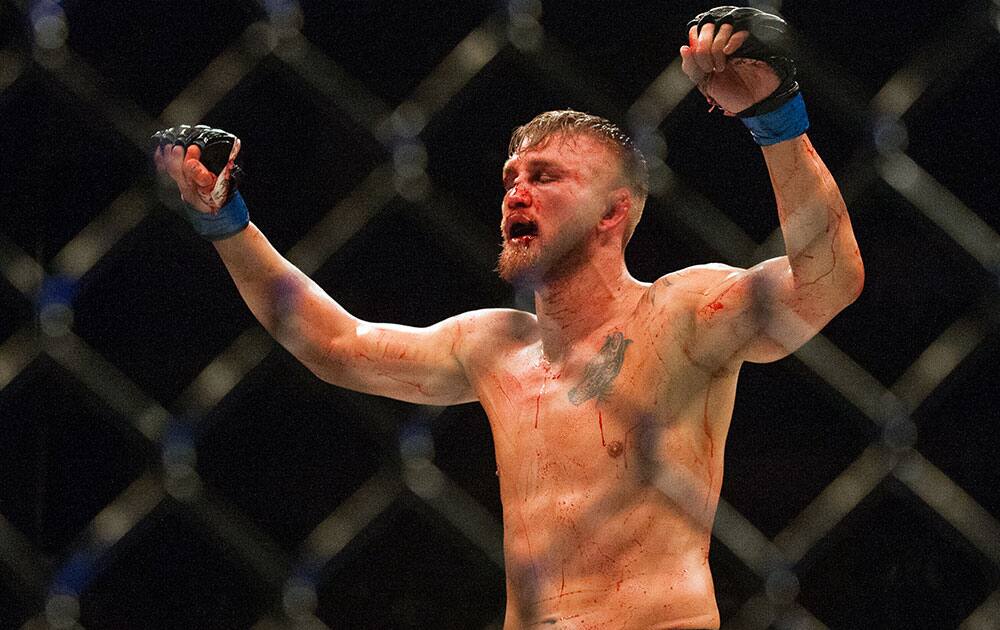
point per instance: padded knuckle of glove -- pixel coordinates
(215, 144)
(768, 40)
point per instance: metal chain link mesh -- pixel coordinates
(167, 462)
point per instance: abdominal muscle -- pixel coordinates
(600, 546)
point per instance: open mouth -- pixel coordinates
(522, 231)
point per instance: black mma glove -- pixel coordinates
(768, 41)
(218, 152)
(782, 114)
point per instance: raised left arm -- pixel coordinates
(821, 273)
(766, 312)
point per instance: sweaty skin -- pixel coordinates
(609, 499)
(609, 406)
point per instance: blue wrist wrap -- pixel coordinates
(786, 122)
(231, 219)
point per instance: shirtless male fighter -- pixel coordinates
(610, 405)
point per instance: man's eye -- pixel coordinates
(545, 177)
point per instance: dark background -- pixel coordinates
(163, 464)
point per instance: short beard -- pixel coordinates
(518, 265)
(523, 267)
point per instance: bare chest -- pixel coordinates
(608, 414)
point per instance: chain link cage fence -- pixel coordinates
(164, 464)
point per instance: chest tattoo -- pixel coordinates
(600, 372)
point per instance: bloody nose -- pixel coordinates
(518, 196)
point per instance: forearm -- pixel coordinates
(819, 240)
(297, 313)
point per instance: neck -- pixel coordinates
(571, 307)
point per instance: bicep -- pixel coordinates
(419, 365)
(761, 314)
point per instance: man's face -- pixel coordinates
(556, 193)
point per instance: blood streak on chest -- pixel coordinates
(541, 390)
(538, 401)
(600, 424)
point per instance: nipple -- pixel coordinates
(615, 448)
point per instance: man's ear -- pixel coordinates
(618, 210)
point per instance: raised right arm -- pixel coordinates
(420, 365)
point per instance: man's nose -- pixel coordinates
(518, 196)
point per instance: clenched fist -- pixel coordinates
(740, 60)
(201, 161)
